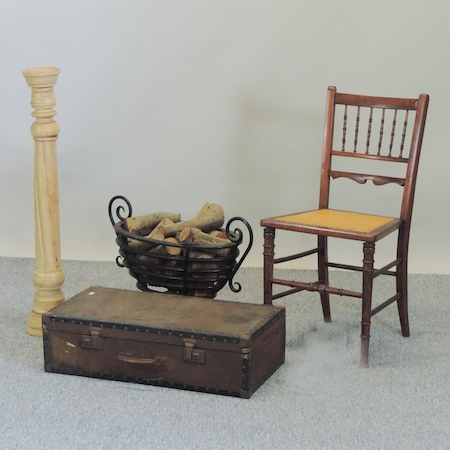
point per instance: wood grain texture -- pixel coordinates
(48, 276)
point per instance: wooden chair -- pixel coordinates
(374, 142)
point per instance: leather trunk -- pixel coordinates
(160, 339)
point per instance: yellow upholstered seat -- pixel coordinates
(335, 219)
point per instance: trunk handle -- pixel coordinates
(126, 357)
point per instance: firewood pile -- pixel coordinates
(190, 257)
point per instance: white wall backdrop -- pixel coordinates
(180, 102)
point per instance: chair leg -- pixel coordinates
(402, 284)
(269, 255)
(323, 276)
(368, 263)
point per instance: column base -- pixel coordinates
(34, 324)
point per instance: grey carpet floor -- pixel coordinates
(319, 399)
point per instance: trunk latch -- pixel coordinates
(92, 340)
(192, 354)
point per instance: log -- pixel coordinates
(172, 249)
(219, 233)
(205, 269)
(149, 259)
(143, 225)
(199, 254)
(156, 234)
(158, 231)
(170, 267)
(153, 252)
(192, 235)
(209, 218)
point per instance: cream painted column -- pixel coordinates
(48, 276)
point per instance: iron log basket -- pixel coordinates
(186, 273)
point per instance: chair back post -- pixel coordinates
(413, 164)
(327, 147)
(410, 181)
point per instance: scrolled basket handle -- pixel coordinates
(121, 212)
(236, 236)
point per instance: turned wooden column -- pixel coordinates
(48, 276)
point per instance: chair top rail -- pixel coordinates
(376, 102)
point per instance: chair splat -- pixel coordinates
(380, 140)
(362, 178)
(405, 126)
(357, 118)
(369, 131)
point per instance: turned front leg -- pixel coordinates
(269, 254)
(322, 260)
(368, 263)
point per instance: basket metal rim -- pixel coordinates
(118, 228)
